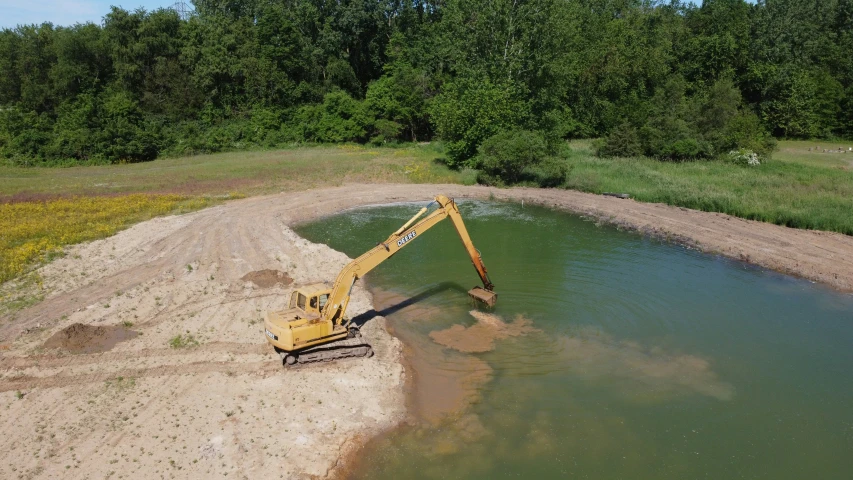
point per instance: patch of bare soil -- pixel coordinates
(81, 338)
(481, 336)
(226, 404)
(267, 278)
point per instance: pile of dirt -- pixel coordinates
(267, 278)
(82, 338)
(481, 336)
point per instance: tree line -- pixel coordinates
(673, 80)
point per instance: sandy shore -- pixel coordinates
(225, 405)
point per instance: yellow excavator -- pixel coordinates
(315, 328)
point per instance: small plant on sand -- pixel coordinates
(19, 395)
(126, 324)
(120, 384)
(229, 413)
(183, 341)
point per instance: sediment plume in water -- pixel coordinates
(481, 336)
(443, 382)
(643, 373)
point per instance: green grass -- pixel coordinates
(183, 341)
(247, 173)
(816, 153)
(802, 186)
(796, 188)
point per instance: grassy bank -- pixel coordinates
(34, 231)
(798, 188)
(247, 173)
(44, 209)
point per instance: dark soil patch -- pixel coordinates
(267, 278)
(81, 338)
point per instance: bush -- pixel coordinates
(744, 157)
(516, 156)
(623, 141)
(552, 172)
(340, 118)
(508, 153)
(470, 110)
(683, 127)
(745, 131)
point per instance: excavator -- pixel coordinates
(314, 326)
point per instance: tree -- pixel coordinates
(470, 110)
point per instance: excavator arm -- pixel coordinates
(342, 289)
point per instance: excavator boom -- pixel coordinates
(356, 269)
(317, 317)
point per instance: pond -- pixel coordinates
(608, 355)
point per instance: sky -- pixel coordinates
(67, 12)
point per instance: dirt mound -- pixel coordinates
(82, 338)
(267, 278)
(481, 336)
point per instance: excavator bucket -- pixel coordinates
(486, 296)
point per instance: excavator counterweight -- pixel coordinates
(314, 327)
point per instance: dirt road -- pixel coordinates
(199, 393)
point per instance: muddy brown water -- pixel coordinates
(82, 338)
(638, 359)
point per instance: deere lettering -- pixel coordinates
(405, 239)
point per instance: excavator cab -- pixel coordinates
(309, 300)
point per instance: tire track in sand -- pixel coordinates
(69, 360)
(264, 368)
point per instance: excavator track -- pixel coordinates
(349, 347)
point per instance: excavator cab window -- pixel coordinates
(292, 303)
(300, 300)
(313, 303)
(323, 299)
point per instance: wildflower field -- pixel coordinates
(32, 232)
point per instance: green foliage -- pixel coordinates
(507, 154)
(470, 110)
(681, 127)
(398, 101)
(623, 141)
(681, 80)
(340, 118)
(514, 156)
(183, 341)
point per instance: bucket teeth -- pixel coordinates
(486, 296)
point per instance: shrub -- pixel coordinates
(677, 126)
(470, 110)
(623, 141)
(552, 172)
(744, 157)
(745, 131)
(340, 118)
(508, 153)
(516, 156)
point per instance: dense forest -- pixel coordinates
(672, 80)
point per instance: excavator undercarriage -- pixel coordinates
(351, 346)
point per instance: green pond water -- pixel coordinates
(650, 360)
